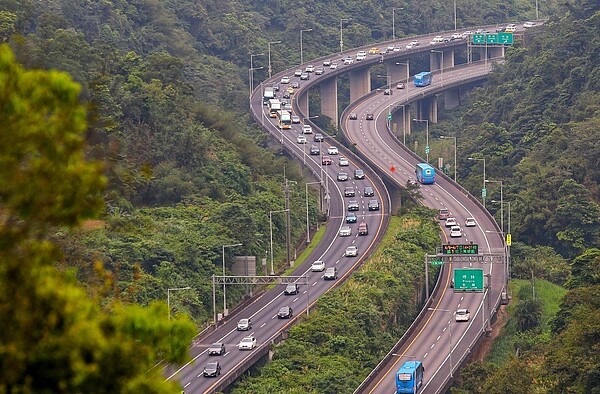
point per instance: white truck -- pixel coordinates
(268, 94)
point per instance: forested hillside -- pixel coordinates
(164, 85)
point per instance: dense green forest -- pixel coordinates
(164, 85)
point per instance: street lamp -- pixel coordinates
(501, 203)
(427, 136)
(252, 71)
(444, 137)
(483, 191)
(507, 238)
(301, 55)
(169, 297)
(394, 21)
(307, 219)
(449, 329)
(271, 233)
(342, 33)
(270, 43)
(455, 15)
(224, 294)
(441, 67)
(251, 77)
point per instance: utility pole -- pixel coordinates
(288, 221)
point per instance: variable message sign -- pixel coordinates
(460, 249)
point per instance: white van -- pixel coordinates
(510, 28)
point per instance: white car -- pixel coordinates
(345, 231)
(295, 119)
(527, 25)
(412, 44)
(332, 150)
(333, 65)
(348, 60)
(309, 69)
(351, 251)
(361, 55)
(470, 222)
(451, 222)
(455, 232)
(301, 139)
(462, 315)
(343, 162)
(436, 39)
(307, 129)
(318, 266)
(247, 343)
(457, 36)
(285, 80)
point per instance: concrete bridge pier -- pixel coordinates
(399, 71)
(302, 101)
(329, 100)
(360, 83)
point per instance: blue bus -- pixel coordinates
(423, 78)
(425, 173)
(409, 377)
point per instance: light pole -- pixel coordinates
(507, 237)
(449, 329)
(307, 219)
(224, 294)
(455, 15)
(394, 21)
(252, 71)
(501, 204)
(537, 15)
(342, 33)
(271, 233)
(271, 43)
(441, 67)
(427, 136)
(483, 191)
(169, 297)
(301, 54)
(445, 137)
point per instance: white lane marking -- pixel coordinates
(187, 384)
(438, 338)
(262, 325)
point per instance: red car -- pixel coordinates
(326, 161)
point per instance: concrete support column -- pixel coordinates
(302, 101)
(401, 122)
(435, 60)
(494, 52)
(329, 99)
(433, 109)
(398, 72)
(449, 58)
(451, 98)
(360, 83)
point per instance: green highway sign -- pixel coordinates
(448, 249)
(389, 116)
(491, 38)
(484, 192)
(468, 279)
(427, 150)
(505, 38)
(478, 39)
(437, 262)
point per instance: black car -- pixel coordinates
(285, 312)
(368, 192)
(314, 150)
(286, 95)
(351, 218)
(373, 205)
(353, 116)
(276, 87)
(291, 289)
(212, 369)
(387, 92)
(216, 349)
(319, 137)
(369, 117)
(295, 84)
(359, 174)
